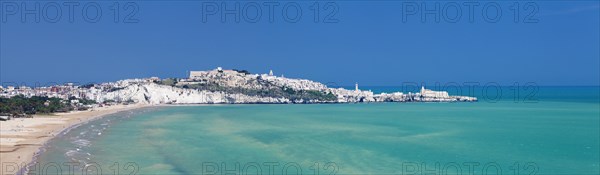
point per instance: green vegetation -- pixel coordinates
(255, 87)
(115, 89)
(20, 104)
(168, 81)
(87, 86)
(273, 91)
(242, 71)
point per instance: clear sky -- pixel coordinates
(372, 43)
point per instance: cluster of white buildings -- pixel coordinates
(58, 91)
(70, 90)
(235, 78)
(147, 91)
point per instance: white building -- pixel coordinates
(435, 94)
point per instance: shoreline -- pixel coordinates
(22, 139)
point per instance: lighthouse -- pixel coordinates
(356, 87)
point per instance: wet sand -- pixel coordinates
(21, 138)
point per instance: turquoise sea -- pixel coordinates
(554, 131)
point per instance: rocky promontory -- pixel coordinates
(239, 87)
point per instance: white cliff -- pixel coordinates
(152, 93)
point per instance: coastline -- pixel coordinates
(22, 138)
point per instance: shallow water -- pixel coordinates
(555, 135)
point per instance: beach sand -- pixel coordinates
(21, 138)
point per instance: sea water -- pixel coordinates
(556, 132)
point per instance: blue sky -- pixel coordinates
(369, 44)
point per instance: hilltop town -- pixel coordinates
(218, 86)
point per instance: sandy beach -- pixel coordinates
(21, 138)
